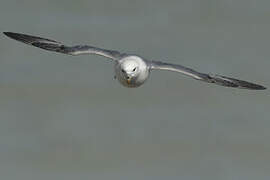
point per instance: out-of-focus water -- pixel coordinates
(65, 117)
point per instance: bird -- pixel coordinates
(131, 70)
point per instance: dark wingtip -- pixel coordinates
(232, 82)
(11, 35)
(28, 39)
(7, 33)
(250, 86)
(259, 87)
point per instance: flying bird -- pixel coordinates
(131, 70)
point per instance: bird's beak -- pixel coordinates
(128, 81)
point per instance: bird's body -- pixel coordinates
(131, 70)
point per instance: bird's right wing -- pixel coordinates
(52, 45)
(210, 78)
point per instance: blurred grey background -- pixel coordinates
(65, 117)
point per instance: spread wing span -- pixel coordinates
(210, 78)
(52, 45)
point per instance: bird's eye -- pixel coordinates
(123, 71)
(134, 69)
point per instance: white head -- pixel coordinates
(130, 69)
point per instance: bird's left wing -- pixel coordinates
(216, 79)
(52, 45)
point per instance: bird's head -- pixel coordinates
(130, 70)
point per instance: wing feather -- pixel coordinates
(210, 78)
(52, 45)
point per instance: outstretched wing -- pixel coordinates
(216, 79)
(52, 45)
